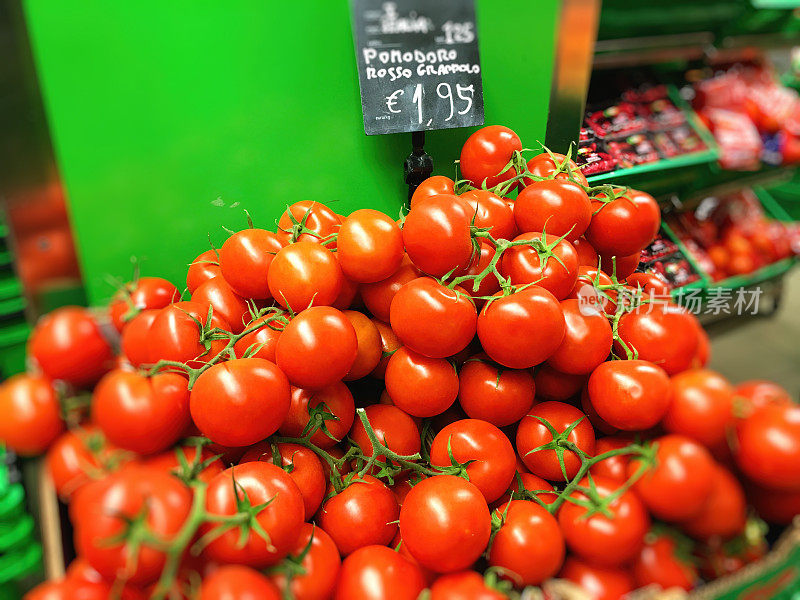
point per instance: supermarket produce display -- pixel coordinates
(489, 394)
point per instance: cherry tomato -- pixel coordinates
(493, 460)
(598, 423)
(701, 406)
(678, 484)
(303, 467)
(319, 221)
(529, 546)
(370, 246)
(559, 207)
(445, 523)
(650, 283)
(378, 296)
(608, 540)
(486, 153)
(774, 506)
(232, 308)
(70, 589)
(464, 585)
(135, 339)
(665, 335)
(240, 402)
(587, 290)
(600, 583)
(179, 333)
(555, 385)
(421, 386)
(613, 467)
(363, 514)
(317, 348)
(587, 339)
(546, 164)
(67, 344)
(138, 492)
(433, 186)
(523, 485)
(244, 261)
(378, 573)
(768, 449)
(623, 225)
(305, 273)
(76, 457)
(489, 284)
(490, 211)
(393, 428)
(632, 395)
(141, 414)
(659, 564)
(587, 256)
(522, 329)
(758, 393)
(532, 433)
(368, 342)
(31, 414)
(144, 293)
(255, 483)
(261, 342)
(203, 268)
(320, 564)
(551, 264)
(236, 582)
(620, 267)
(389, 345)
(338, 402)
(494, 394)
(422, 303)
(204, 467)
(725, 511)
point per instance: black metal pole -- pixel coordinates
(419, 164)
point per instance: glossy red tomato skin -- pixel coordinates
(32, 414)
(317, 348)
(598, 539)
(303, 466)
(557, 206)
(473, 440)
(363, 514)
(134, 341)
(422, 303)
(587, 339)
(486, 153)
(768, 449)
(543, 165)
(665, 335)
(624, 225)
(445, 523)
(725, 511)
(144, 293)
(489, 285)
(421, 386)
(316, 217)
(615, 467)
(632, 395)
(338, 400)
(620, 267)
(433, 186)
(142, 414)
(393, 427)
(369, 246)
(523, 329)
(552, 384)
(169, 462)
(281, 519)
(523, 264)
(123, 495)
(658, 564)
(321, 565)
(226, 303)
(175, 334)
(263, 340)
(378, 296)
(240, 402)
(493, 394)
(237, 582)
(436, 235)
(650, 283)
(491, 212)
(529, 546)
(202, 268)
(531, 483)
(463, 585)
(72, 457)
(244, 261)
(532, 433)
(601, 583)
(369, 345)
(67, 344)
(378, 573)
(389, 345)
(71, 589)
(680, 483)
(774, 506)
(701, 406)
(758, 393)
(304, 273)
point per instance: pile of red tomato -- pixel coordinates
(473, 400)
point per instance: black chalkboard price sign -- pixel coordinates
(418, 64)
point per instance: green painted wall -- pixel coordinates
(158, 108)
